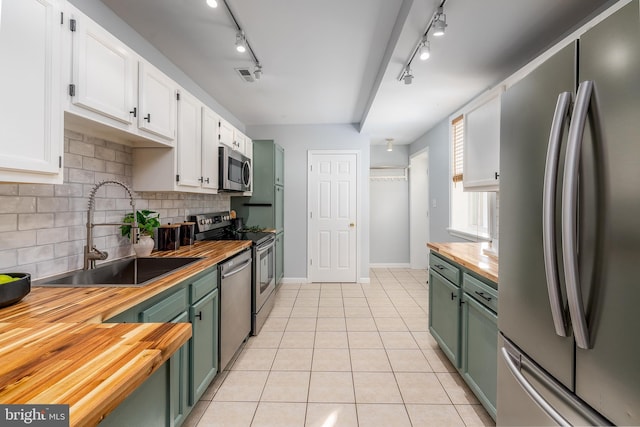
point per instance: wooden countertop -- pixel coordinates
(470, 255)
(39, 362)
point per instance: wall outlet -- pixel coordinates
(434, 204)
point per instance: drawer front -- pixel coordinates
(204, 285)
(445, 269)
(167, 309)
(481, 291)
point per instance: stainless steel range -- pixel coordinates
(219, 226)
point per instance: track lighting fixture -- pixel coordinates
(439, 23)
(389, 144)
(241, 42)
(212, 3)
(408, 77)
(425, 50)
(257, 73)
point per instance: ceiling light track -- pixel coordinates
(242, 44)
(438, 23)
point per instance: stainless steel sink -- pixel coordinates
(132, 272)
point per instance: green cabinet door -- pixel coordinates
(480, 351)
(279, 170)
(444, 315)
(279, 209)
(178, 379)
(204, 344)
(279, 256)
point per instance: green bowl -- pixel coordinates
(12, 292)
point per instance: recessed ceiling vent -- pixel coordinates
(245, 74)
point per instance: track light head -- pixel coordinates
(389, 144)
(241, 44)
(439, 23)
(257, 73)
(408, 77)
(212, 3)
(425, 50)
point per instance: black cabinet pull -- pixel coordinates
(206, 180)
(439, 266)
(483, 296)
(453, 296)
(497, 175)
(201, 179)
(148, 118)
(134, 112)
(199, 315)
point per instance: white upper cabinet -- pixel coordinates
(226, 134)
(210, 122)
(482, 145)
(31, 121)
(156, 101)
(189, 141)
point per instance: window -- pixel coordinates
(471, 212)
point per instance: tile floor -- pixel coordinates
(348, 354)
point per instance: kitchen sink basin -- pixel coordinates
(131, 272)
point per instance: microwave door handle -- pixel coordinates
(560, 117)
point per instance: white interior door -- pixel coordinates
(419, 210)
(332, 217)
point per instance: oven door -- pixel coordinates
(234, 170)
(265, 272)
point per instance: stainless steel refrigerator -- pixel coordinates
(569, 345)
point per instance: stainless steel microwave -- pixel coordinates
(234, 170)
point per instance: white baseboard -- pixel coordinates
(294, 280)
(390, 265)
(364, 280)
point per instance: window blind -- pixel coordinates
(457, 128)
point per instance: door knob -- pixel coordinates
(353, 224)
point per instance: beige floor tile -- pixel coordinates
(411, 311)
(271, 414)
(196, 413)
(382, 301)
(297, 340)
(375, 293)
(352, 293)
(438, 361)
(254, 359)
(308, 293)
(376, 387)
(457, 389)
(330, 312)
(364, 340)
(301, 324)
(382, 415)
(434, 415)
(334, 292)
(293, 359)
(398, 340)
(286, 386)
(384, 312)
(331, 414)
(361, 324)
(390, 324)
(475, 415)
(274, 324)
(421, 388)
(289, 286)
(330, 301)
(242, 386)
(369, 360)
(304, 312)
(265, 339)
(417, 324)
(408, 361)
(331, 324)
(286, 293)
(355, 302)
(331, 340)
(229, 414)
(335, 387)
(214, 386)
(403, 302)
(331, 359)
(357, 312)
(284, 302)
(306, 302)
(281, 311)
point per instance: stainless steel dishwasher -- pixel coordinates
(235, 305)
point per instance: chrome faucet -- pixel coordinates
(91, 253)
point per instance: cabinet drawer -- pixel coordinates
(445, 269)
(480, 291)
(204, 285)
(167, 309)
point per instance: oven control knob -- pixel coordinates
(202, 220)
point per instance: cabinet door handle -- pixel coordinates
(439, 266)
(148, 118)
(199, 315)
(453, 296)
(201, 179)
(483, 296)
(206, 180)
(497, 175)
(134, 111)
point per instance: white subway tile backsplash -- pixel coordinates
(35, 254)
(35, 221)
(68, 190)
(115, 168)
(11, 204)
(9, 190)
(8, 259)
(42, 190)
(105, 153)
(52, 235)
(52, 267)
(93, 164)
(8, 222)
(73, 161)
(82, 148)
(65, 219)
(17, 239)
(53, 204)
(80, 176)
(63, 249)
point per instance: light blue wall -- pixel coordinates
(297, 140)
(437, 139)
(389, 209)
(106, 18)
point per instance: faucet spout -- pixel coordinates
(91, 253)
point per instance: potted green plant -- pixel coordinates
(148, 221)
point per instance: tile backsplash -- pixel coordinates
(43, 226)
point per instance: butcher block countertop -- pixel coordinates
(473, 256)
(54, 347)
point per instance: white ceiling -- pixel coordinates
(337, 61)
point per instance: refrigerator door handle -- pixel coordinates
(531, 391)
(585, 104)
(560, 117)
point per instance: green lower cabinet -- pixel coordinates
(179, 379)
(480, 351)
(444, 315)
(279, 256)
(204, 344)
